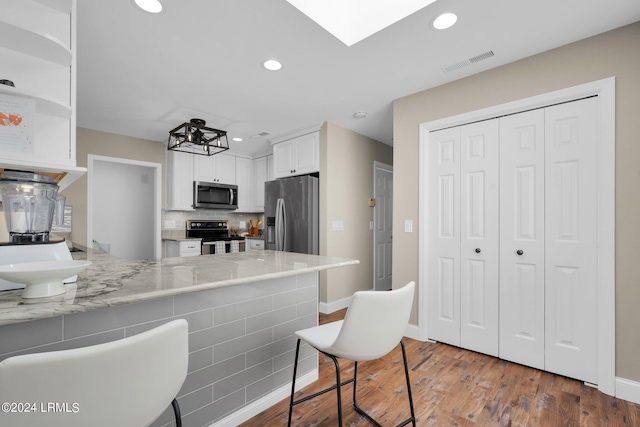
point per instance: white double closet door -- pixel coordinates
(512, 246)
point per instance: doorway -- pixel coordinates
(123, 207)
(382, 226)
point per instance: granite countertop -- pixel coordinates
(176, 235)
(111, 281)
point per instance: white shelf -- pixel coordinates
(44, 104)
(38, 44)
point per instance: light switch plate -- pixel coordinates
(169, 223)
(370, 225)
(337, 225)
(408, 226)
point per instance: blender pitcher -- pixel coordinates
(30, 201)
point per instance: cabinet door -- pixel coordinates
(225, 169)
(259, 178)
(179, 181)
(283, 154)
(244, 180)
(203, 168)
(307, 154)
(270, 174)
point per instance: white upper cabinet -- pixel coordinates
(220, 168)
(244, 180)
(260, 176)
(297, 156)
(180, 181)
(37, 53)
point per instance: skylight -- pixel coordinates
(351, 21)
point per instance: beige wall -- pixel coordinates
(346, 184)
(615, 53)
(104, 144)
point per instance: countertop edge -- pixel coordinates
(42, 311)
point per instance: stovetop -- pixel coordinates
(210, 230)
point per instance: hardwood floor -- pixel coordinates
(452, 387)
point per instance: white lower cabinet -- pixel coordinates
(512, 246)
(254, 244)
(183, 248)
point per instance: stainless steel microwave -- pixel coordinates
(215, 196)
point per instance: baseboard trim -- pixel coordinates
(254, 408)
(331, 307)
(413, 332)
(628, 390)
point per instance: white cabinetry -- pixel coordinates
(244, 180)
(297, 156)
(37, 53)
(260, 176)
(270, 171)
(179, 181)
(255, 244)
(219, 168)
(183, 248)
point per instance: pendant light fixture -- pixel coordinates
(194, 137)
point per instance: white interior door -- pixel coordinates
(522, 238)
(571, 226)
(479, 237)
(383, 226)
(443, 245)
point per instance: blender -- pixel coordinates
(31, 202)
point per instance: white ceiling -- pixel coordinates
(141, 74)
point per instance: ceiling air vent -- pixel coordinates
(469, 61)
(260, 135)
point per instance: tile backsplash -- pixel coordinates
(179, 218)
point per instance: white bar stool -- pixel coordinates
(364, 334)
(129, 382)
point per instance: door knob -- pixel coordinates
(520, 252)
(478, 250)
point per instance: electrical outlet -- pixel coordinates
(169, 223)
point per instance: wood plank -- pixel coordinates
(452, 387)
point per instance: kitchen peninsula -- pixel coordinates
(242, 309)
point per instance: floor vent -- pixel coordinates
(469, 61)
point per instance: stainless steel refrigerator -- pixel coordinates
(291, 212)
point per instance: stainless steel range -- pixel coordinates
(211, 231)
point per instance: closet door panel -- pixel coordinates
(522, 309)
(571, 239)
(443, 251)
(479, 237)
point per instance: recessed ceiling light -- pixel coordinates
(272, 64)
(236, 139)
(151, 6)
(444, 21)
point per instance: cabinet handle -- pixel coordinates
(478, 250)
(520, 252)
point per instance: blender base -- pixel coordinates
(18, 253)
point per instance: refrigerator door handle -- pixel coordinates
(279, 225)
(284, 225)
